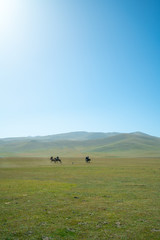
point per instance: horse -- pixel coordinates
(87, 159)
(55, 160)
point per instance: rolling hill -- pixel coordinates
(96, 144)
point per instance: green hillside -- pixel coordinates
(81, 143)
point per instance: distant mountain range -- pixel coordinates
(96, 144)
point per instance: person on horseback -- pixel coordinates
(58, 159)
(55, 160)
(88, 159)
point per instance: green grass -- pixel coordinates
(107, 199)
(119, 145)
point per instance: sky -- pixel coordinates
(79, 65)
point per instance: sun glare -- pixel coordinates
(8, 12)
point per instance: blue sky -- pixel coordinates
(77, 65)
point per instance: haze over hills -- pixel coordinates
(98, 144)
(80, 135)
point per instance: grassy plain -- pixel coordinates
(107, 199)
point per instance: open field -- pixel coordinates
(108, 199)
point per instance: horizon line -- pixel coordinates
(54, 134)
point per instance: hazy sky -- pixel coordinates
(73, 65)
